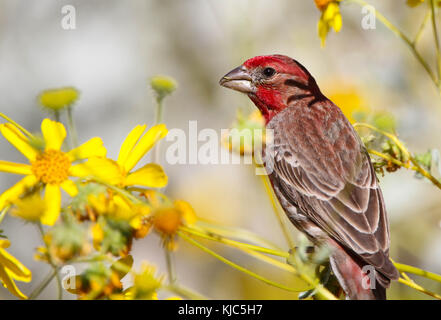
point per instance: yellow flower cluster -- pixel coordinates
(330, 18)
(108, 202)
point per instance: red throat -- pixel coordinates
(269, 101)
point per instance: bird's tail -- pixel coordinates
(356, 278)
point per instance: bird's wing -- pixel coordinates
(323, 169)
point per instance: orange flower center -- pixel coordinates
(322, 4)
(51, 167)
(167, 221)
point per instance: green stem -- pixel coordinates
(159, 111)
(414, 270)
(43, 284)
(59, 285)
(422, 27)
(170, 266)
(3, 213)
(419, 288)
(234, 233)
(437, 47)
(52, 263)
(386, 134)
(276, 210)
(57, 115)
(158, 119)
(234, 265)
(185, 292)
(215, 237)
(72, 128)
(404, 150)
(121, 191)
(26, 132)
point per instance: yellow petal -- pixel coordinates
(70, 187)
(331, 11)
(10, 284)
(53, 133)
(337, 22)
(92, 148)
(4, 243)
(323, 30)
(16, 190)
(52, 196)
(152, 136)
(18, 140)
(100, 168)
(121, 202)
(151, 175)
(187, 210)
(17, 168)
(129, 142)
(16, 268)
(30, 208)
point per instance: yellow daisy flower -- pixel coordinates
(51, 166)
(330, 18)
(11, 269)
(119, 172)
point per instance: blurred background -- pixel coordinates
(117, 46)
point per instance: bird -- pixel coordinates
(320, 172)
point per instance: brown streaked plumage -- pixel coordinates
(320, 171)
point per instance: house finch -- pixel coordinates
(321, 172)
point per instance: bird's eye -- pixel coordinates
(269, 72)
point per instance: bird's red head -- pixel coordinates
(272, 83)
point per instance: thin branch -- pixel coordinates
(53, 265)
(414, 270)
(184, 291)
(416, 166)
(277, 212)
(322, 291)
(221, 239)
(422, 27)
(437, 47)
(419, 288)
(234, 265)
(401, 35)
(26, 132)
(170, 266)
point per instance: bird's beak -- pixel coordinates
(238, 79)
